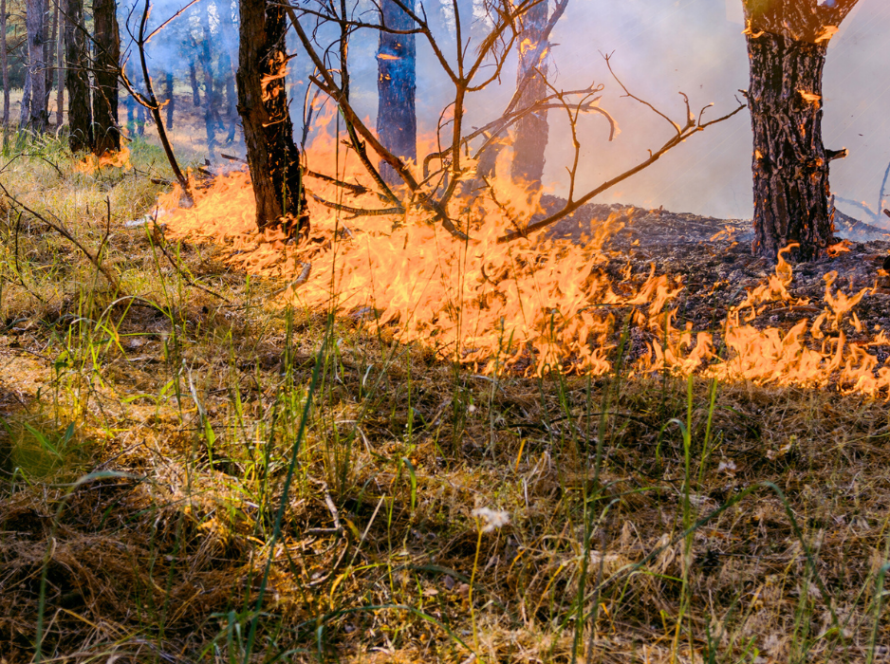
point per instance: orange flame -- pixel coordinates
(91, 163)
(529, 306)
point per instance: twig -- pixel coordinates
(179, 270)
(683, 132)
(61, 230)
(357, 212)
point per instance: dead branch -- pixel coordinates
(59, 228)
(691, 126)
(356, 212)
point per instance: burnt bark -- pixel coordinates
(80, 117)
(396, 86)
(533, 130)
(34, 115)
(272, 155)
(790, 166)
(787, 45)
(106, 128)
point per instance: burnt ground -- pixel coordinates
(714, 260)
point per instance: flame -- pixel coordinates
(91, 163)
(530, 306)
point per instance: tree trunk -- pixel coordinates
(50, 54)
(790, 166)
(4, 62)
(34, 114)
(106, 131)
(80, 117)
(129, 100)
(396, 85)
(226, 70)
(532, 131)
(193, 74)
(787, 44)
(211, 115)
(171, 100)
(61, 9)
(272, 155)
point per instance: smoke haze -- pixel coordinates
(659, 48)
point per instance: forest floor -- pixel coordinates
(192, 474)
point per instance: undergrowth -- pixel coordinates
(191, 475)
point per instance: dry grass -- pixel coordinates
(173, 460)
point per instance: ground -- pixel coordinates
(179, 453)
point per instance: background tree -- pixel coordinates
(787, 44)
(532, 130)
(61, 9)
(106, 131)
(80, 117)
(4, 61)
(34, 115)
(396, 86)
(272, 155)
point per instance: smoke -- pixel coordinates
(659, 49)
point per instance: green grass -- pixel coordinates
(191, 478)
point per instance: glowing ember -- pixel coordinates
(530, 306)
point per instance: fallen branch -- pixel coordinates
(356, 212)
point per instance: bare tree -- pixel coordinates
(787, 45)
(469, 70)
(272, 155)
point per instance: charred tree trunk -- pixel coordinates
(532, 131)
(787, 44)
(80, 117)
(34, 114)
(396, 85)
(4, 62)
(106, 128)
(272, 155)
(790, 166)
